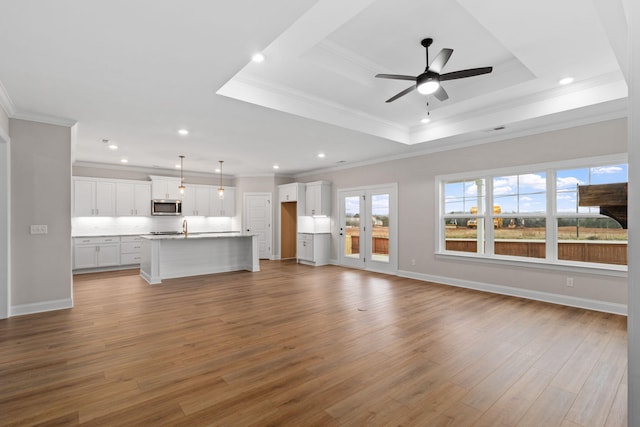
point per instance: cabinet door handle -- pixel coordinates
(97, 211)
(136, 211)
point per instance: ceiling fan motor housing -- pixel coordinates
(428, 82)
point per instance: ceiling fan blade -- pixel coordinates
(441, 60)
(441, 94)
(396, 77)
(403, 93)
(465, 73)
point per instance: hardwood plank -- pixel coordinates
(549, 409)
(297, 345)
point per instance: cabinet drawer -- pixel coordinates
(306, 237)
(130, 247)
(130, 259)
(127, 239)
(95, 240)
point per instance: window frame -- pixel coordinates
(551, 240)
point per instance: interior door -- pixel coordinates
(257, 217)
(368, 228)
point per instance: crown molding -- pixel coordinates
(41, 118)
(150, 171)
(5, 101)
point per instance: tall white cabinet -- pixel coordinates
(318, 198)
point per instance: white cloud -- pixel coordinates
(606, 170)
(568, 182)
(535, 181)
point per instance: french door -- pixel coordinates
(368, 228)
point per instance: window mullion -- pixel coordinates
(551, 243)
(489, 230)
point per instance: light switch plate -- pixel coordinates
(39, 229)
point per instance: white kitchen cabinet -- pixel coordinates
(293, 192)
(133, 199)
(92, 252)
(164, 187)
(130, 247)
(223, 207)
(318, 198)
(195, 201)
(94, 197)
(313, 249)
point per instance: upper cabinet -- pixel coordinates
(94, 197)
(164, 187)
(318, 198)
(133, 198)
(293, 192)
(195, 201)
(225, 206)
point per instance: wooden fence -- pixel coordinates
(584, 251)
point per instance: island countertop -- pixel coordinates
(176, 255)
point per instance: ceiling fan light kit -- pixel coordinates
(428, 82)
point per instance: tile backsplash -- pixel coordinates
(95, 226)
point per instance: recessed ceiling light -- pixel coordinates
(566, 81)
(425, 120)
(113, 147)
(124, 161)
(276, 167)
(321, 155)
(258, 57)
(183, 132)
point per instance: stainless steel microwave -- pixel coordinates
(166, 207)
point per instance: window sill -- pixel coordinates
(565, 266)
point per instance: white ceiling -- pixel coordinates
(135, 72)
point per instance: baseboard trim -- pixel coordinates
(41, 307)
(589, 304)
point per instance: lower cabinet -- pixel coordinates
(313, 249)
(92, 252)
(130, 247)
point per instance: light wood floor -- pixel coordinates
(300, 346)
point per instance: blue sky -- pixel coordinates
(379, 204)
(526, 193)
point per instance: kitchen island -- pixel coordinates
(173, 256)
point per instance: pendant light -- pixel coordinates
(220, 188)
(181, 187)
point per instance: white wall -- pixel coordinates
(633, 12)
(5, 181)
(417, 206)
(40, 194)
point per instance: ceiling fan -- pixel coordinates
(428, 82)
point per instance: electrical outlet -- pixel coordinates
(570, 282)
(38, 229)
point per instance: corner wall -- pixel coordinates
(5, 182)
(40, 194)
(417, 207)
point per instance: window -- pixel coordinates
(519, 201)
(583, 234)
(464, 203)
(534, 215)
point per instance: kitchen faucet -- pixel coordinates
(184, 228)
